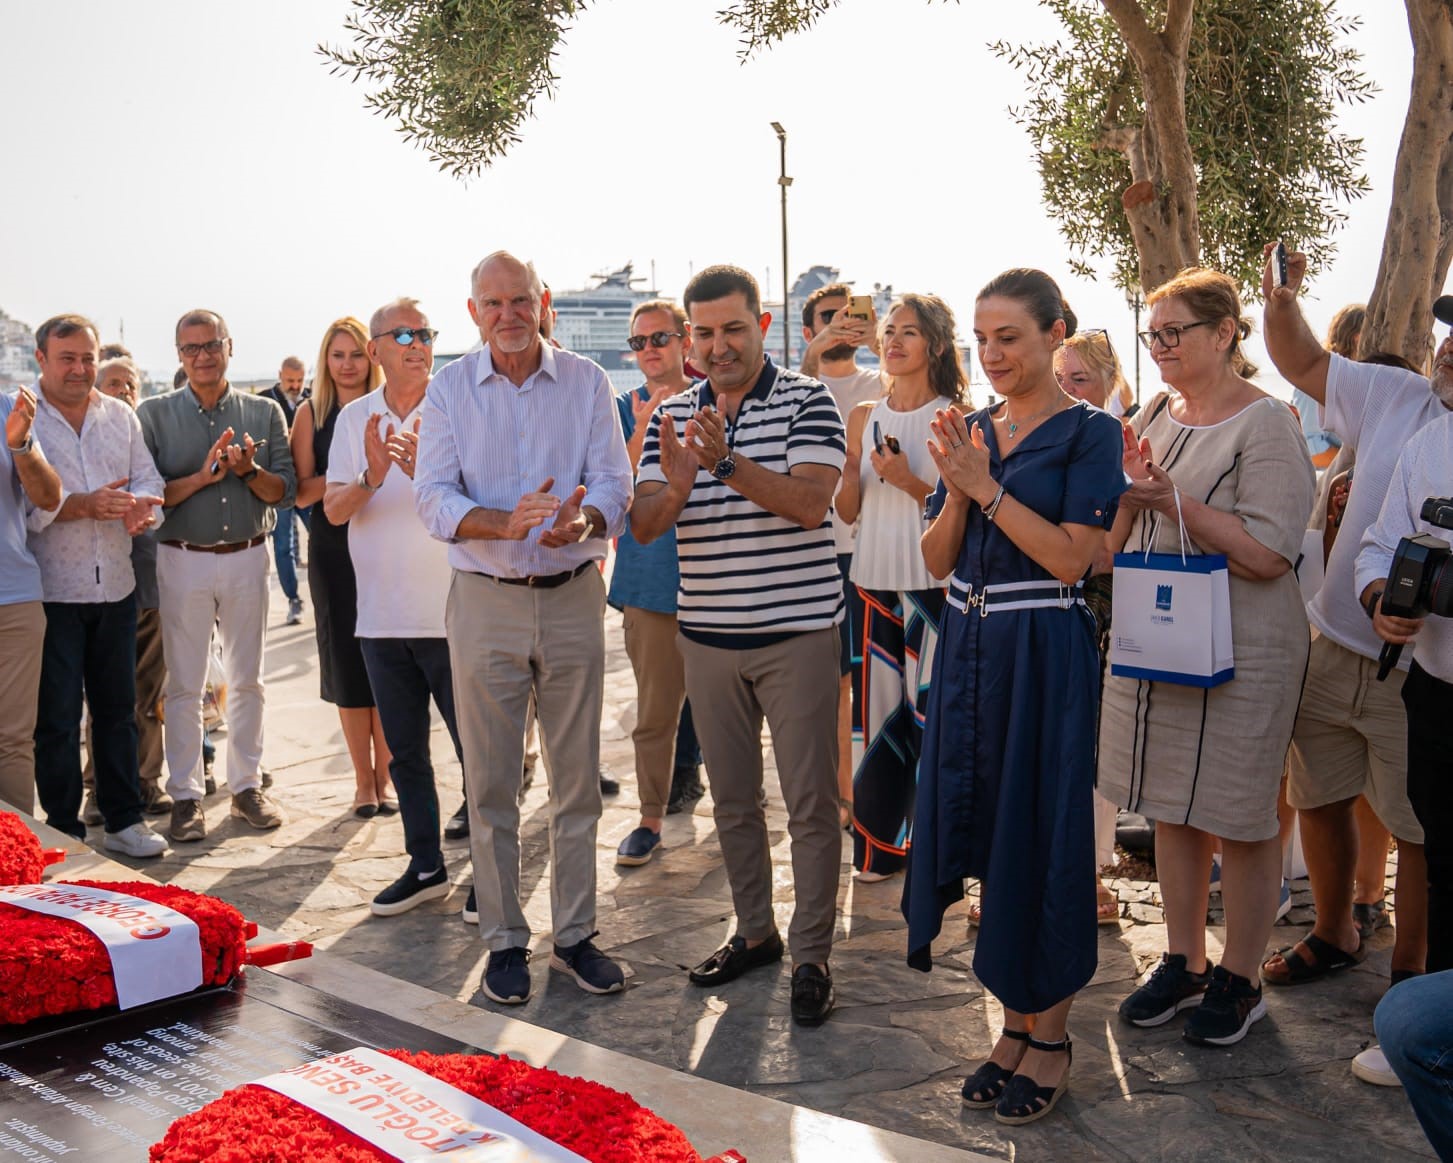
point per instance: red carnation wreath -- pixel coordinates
(22, 859)
(251, 1123)
(50, 965)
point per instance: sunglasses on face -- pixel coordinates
(656, 339)
(192, 350)
(405, 336)
(1169, 336)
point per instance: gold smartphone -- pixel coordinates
(861, 307)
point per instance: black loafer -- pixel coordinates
(458, 826)
(734, 959)
(811, 995)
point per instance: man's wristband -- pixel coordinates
(246, 478)
(1371, 607)
(24, 448)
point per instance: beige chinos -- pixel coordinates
(506, 641)
(794, 685)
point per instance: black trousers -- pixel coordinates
(1429, 703)
(89, 647)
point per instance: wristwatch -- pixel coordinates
(362, 482)
(24, 448)
(248, 475)
(724, 468)
(1373, 600)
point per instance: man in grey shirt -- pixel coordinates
(225, 459)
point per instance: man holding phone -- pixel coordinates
(225, 459)
(835, 323)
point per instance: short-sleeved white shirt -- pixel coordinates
(403, 573)
(1375, 410)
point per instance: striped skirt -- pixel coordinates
(893, 642)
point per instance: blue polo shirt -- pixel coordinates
(647, 577)
(19, 574)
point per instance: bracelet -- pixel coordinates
(993, 506)
(1373, 599)
(246, 477)
(24, 448)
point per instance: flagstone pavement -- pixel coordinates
(896, 1050)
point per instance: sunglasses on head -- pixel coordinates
(405, 336)
(1098, 333)
(656, 339)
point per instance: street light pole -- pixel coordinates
(784, 181)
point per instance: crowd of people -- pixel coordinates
(915, 594)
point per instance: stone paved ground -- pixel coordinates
(897, 1048)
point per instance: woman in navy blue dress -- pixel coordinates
(1028, 489)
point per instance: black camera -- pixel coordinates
(1420, 581)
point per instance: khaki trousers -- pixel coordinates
(22, 640)
(794, 684)
(660, 692)
(506, 642)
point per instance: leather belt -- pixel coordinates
(547, 581)
(229, 547)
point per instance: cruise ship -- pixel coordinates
(596, 321)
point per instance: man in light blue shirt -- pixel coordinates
(523, 471)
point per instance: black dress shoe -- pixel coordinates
(811, 995)
(734, 958)
(608, 786)
(686, 789)
(458, 826)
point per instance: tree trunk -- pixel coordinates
(1418, 244)
(1161, 203)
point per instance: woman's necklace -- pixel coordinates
(1016, 425)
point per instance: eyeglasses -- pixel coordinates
(1169, 336)
(1100, 333)
(656, 339)
(405, 336)
(192, 350)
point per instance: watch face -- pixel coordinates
(724, 468)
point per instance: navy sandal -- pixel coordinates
(1024, 1100)
(983, 1088)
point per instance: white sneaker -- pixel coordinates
(1371, 1066)
(138, 841)
(295, 611)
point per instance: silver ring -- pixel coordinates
(958, 443)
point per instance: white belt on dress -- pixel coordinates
(1006, 596)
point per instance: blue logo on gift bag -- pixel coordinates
(1162, 597)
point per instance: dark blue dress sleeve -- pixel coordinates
(1095, 475)
(936, 501)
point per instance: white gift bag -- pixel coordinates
(1171, 618)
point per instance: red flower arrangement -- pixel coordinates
(50, 965)
(22, 859)
(251, 1123)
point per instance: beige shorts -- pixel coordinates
(1351, 739)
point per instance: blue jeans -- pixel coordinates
(1415, 1029)
(285, 548)
(404, 672)
(90, 648)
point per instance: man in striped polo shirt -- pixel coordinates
(744, 466)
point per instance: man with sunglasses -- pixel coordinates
(1351, 734)
(523, 472)
(225, 460)
(403, 583)
(643, 587)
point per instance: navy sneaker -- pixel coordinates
(470, 912)
(593, 971)
(638, 847)
(1168, 990)
(410, 891)
(1227, 1011)
(507, 976)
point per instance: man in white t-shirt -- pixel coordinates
(403, 584)
(833, 338)
(1351, 731)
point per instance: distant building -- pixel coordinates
(17, 353)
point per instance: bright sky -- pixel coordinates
(180, 153)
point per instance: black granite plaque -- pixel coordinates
(107, 1087)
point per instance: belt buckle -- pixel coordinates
(972, 599)
(532, 580)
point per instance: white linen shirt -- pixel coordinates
(403, 573)
(1422, 472)
(486, 443)
(86, 560)
(1374, 410)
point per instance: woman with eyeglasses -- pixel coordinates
(1027, 491)
(344, 373)
(887, 479)
(1228, 460)
(1088, 369)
